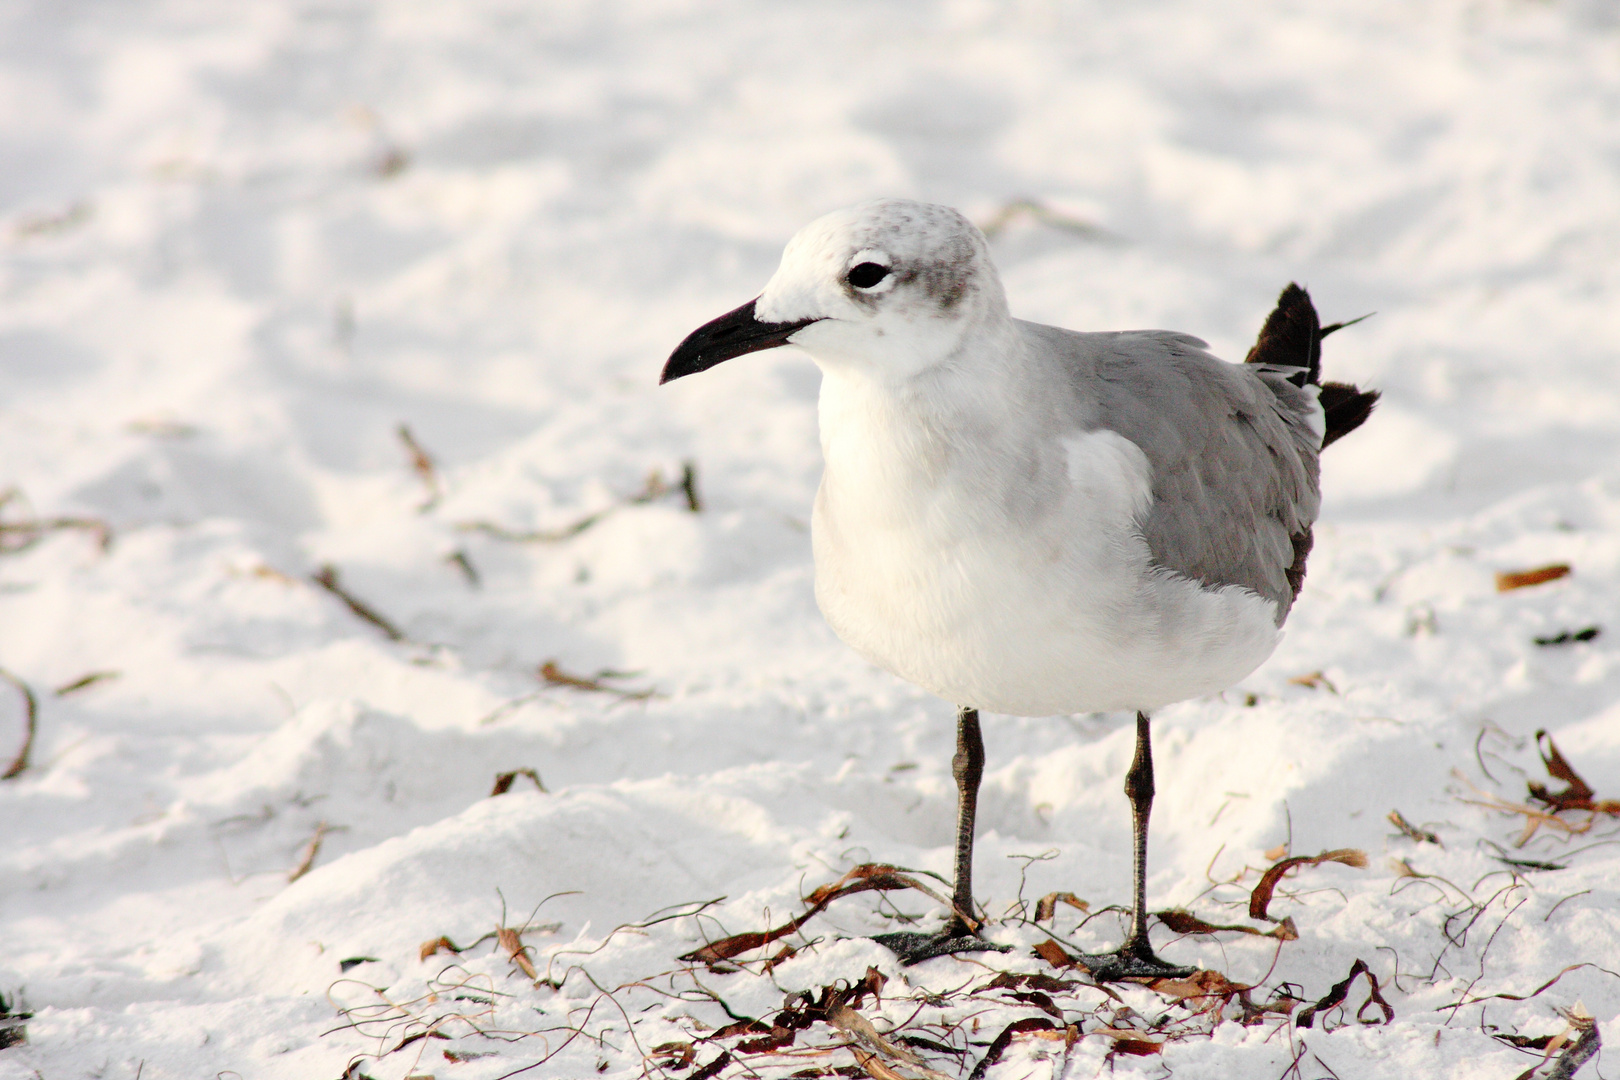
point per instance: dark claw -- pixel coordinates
(914, 948)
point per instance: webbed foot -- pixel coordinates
(913, 948)
(1128, 962)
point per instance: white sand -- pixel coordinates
(243, 242)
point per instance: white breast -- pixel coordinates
(1010, 577)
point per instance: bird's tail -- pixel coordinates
(1292, 337)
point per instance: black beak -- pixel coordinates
(732, 334)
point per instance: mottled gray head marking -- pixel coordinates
(892, 283)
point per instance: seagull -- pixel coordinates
(1035, 521)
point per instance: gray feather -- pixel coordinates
(1232, 450)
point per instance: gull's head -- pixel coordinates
(892, 285)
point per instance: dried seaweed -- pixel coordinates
(1185, 922)
(655, 488)
(1508, 580)
(1341, 990)
(863, 878)
(1046, 907)
(503, 781)
(1260, 898)
(1577, 794)
(512, 941)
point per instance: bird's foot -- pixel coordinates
(913, 948)
(1132, 960)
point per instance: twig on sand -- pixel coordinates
(1040, 212)
(422, 465)
(655, 488)
(312, 849)
(31, 722)
(556, 676)
(21, 535)
(327, 578)
(84, 682)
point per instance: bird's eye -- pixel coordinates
(867, 274)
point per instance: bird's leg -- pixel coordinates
(1139, 789)
(961, 931)
(1135, 958)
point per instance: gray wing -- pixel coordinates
(1233, 450)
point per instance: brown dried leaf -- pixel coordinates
(1315, 680)
(1341, 990)
(787, 953)
(874, 983)
(678, 1055)
(1260, 898)
(1185, 922)
(1508, 580)
(512, 942)
(741, 1027)
(1058, 956)
(1577, 794)
(1137, 1047)
(1199, 985)
(865, 877)
(777, 1038)
(1560, 769)
(712, 1068)
(1046, 907)
(1010, 980)
(430, 947)
(503, 781)
(1278, 852)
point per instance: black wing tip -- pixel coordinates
(1292, 334)
(1292, 337)
(1344, 408)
